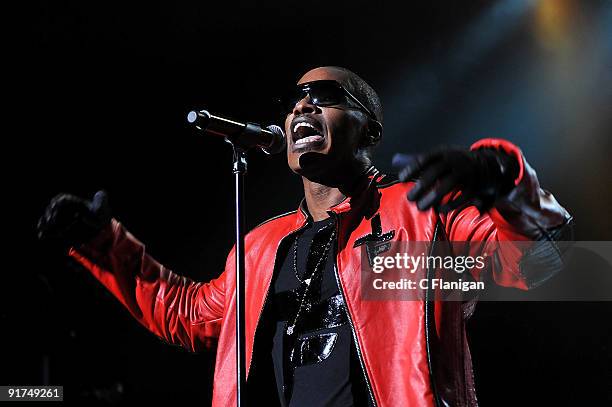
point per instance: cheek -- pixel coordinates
(287, 124)
(344, 132)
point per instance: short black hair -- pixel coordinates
(362, 91)
(368, 96)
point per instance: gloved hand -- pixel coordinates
(72, 220)
(482, 176)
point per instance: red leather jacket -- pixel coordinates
(411, 353)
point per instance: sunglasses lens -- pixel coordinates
(291, 99)
(326, 94)
(321, 93)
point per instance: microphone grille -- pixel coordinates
(276, 130)
(279, 144)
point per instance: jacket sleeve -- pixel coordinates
(521, 228)
(175, 308)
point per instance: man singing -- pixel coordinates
(311, 339)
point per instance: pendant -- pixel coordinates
(290, 330)
(307, 281)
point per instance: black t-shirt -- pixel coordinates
(312, 349)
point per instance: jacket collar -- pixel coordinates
(366, 191)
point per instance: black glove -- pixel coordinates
(482, 176)
(72, 220)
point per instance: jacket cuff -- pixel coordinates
(527, 210)
(99, 245)
(508, 148)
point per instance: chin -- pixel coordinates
(317, 167)
(320, 147)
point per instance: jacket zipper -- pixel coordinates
(348, 314)
(429, 312)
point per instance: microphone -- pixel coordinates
(271, 140)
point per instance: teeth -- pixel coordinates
(303, 124)
(308, 139)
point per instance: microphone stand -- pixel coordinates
(239, 168)
(251, 131)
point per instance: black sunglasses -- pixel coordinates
(322, 93)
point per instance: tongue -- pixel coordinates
(309, 139)
(306, 132)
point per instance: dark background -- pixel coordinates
(97, 94)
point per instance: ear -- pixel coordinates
(374, 133)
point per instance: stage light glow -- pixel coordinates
(416, 91)
(553, 22)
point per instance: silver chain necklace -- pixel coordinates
(308, 280)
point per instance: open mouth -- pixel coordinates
(306, 132)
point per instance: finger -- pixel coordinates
(46, 221)
(461, 200)
(63, 199)
(400, 160)
(41, 227)
(61, 213)
(416, 164)
(99, 201)
(426, 181)
(437, 193)
(65, 203)
(410, 165)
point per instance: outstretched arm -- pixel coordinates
(488, 195)
(173, 307)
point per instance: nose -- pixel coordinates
(305, 105)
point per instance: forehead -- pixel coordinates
(318, 74)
